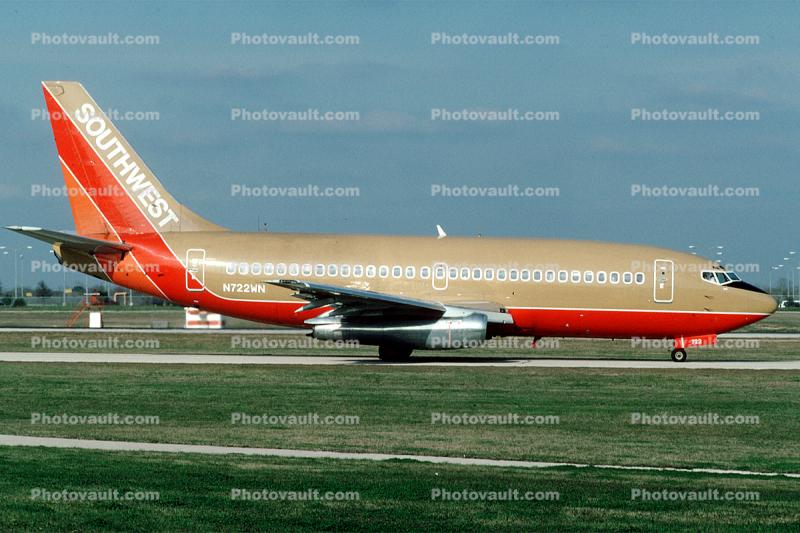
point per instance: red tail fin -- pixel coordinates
(111, 190)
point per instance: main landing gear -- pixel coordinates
(679, 355)
(394, 354)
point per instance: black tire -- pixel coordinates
(679, 355)
(394, 353)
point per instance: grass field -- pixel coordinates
(194, 494)
(395, 405)
(173, 317)
(222, 342)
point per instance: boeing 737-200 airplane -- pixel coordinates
(398, 293)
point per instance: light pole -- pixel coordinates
(797, 289)
(5, 252)
(14, 257)
(64, 284)
(719, 252)
(790, 280)
(771, 270)
(22, 273)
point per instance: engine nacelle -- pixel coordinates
(442, 334)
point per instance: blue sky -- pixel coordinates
(393, 78)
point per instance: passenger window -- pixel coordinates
(452, 273)
(537, 276)
(332, 270)
(371, 271)
(255, 269)
(550, 276)
(640, 278)
(476, 274)
(344, 271)
(230, 268)
(563, 276)
(601, 277)
(411, 272)
(269, 269)
(280, 269)
(588, 276)
(244, 268)
(489, 274)
(576, 276)
(294, 269)
(525, 275)
(465, 273)
(627, 278)
(307, 269)
(513, 275)
(358, 271)
(614, 278)
(383, 271)
(397, 271)
(425, 272)
(501, 274)
(319, 270)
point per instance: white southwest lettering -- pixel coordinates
(118, 148)
(151, 200)
(136, 181)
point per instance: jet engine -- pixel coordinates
(441, 334)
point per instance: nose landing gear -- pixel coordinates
(695, 341)
(679, 355)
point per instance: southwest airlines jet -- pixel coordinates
(398, 293)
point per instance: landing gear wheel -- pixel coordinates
(679, 355)
(394, 353)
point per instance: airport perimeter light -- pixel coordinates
(13, 251)
(771, 270)
(22, 272)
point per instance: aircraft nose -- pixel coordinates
(764, 303)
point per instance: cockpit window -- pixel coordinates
(718, 277)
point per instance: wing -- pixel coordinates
(351, 303)
(74, 242)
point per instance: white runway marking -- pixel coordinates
(455, 361)
(86, 444)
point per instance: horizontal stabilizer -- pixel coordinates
(75, 242)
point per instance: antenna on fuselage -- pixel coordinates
(440, 231)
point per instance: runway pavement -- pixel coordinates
(151, 331)
(296, 331)
(455, 361)
(107, 445)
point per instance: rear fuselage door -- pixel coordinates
(195, 269)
